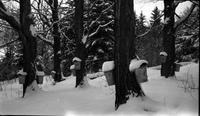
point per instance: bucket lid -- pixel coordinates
(134, 64)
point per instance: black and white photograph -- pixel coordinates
(99, 57)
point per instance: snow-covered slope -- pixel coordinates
(163, 96)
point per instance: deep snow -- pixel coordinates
(171, 97)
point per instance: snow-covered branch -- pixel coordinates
(184, 18)
(49, 2)
(41, 15)
(105, 10)
(8, 43)
(5, 25)
(100, 26)
(45, 40)
(177, 2)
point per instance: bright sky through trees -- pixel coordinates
(146, 6)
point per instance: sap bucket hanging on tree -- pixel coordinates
(177, 67)
(72, 68)
(107, 68)
(40, 75)
(22, 76)
(77, 63)
(140, 69)
(163, 57)
(22, 79)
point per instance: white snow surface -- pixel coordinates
(108, 66)
(134, 64)
(164, 97)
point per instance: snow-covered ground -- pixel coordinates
(175, 96)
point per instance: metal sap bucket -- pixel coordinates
(141, 74)
(177, 67)
(109, 77)
(77, 65)
(163, 58)
(40, 75)
(22, 79)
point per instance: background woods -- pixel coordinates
(54, 32)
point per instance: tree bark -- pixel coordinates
(81, 51)
(125, 81)
(29, 43)
(121, 58)
(56, 46)
(167, 68)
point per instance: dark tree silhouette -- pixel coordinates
(22, 26)
(169, 32)
(125, 81)
(56, 46)
(156, 17)
(167, 68)
(29, 46)
(81, 51)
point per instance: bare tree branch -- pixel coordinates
(45, 40)
(61, 2)
(41, 15)
(13, 21)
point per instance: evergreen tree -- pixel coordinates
(99, 26)
(153, 40)
(156, 17)
(141, 24)
(140, 29)
(187, 42)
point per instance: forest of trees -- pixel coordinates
(94, 31)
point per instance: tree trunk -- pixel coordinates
(56, 46)
(125, 81)
(29, 43)
(81, 51)
(167, 68)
